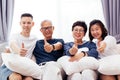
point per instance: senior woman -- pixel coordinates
(79, 29)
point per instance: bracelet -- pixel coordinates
(53, 47)
(84, 53)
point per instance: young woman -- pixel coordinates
(106, 44)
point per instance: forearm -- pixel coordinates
(93, 53)
(78, 56)
(57, 46)
(14, 47)
(72, 51)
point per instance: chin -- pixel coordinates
(78, 38)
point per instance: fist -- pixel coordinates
(47, 47)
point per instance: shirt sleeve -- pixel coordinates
(110, 41)
(67, 46)
(92, 50)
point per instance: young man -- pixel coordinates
(47, 51)
(23, 44)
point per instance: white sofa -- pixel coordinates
(2, 48)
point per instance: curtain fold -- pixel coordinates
(111, 10)
(6, 15)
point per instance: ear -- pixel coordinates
(20, 23)
(53, 27)
(40, 30)
(33, 23)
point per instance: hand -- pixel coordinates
(15, 76)
(48, 48)
(72, 59)
(101, 47)
(23, 51)
(7, 50)
(74, 49)
(76, 57)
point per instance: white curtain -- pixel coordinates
(111, 9)
(6, 15)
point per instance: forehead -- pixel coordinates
(78, 27)
(95, 26)
(46, 23)
(26, 19)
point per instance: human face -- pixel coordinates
(26, 24)
(47, 29)
(96, 32)
(78, 33)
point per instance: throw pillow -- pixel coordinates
(110, 65)
(22, 65)
(78, 66)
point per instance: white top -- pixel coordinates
(111, 47)
(29, 42)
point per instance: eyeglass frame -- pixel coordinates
(77, 30)
(46, 28)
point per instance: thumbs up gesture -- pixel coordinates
(23, 51)
(7, 50)
(74, 48)
(101, 47)
(48, 47)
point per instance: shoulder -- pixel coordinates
(58, 40)
(14, 36)
(33, 37)
(109, 37)
(89, 43)
(40, 41)
(69, 43)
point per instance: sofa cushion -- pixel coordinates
(22, 65)
(110, 65)
(78, 66)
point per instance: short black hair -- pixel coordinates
(102, 26)
(27, 15)
(80, 23)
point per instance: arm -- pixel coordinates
(67, 47)
(110, 41)
(107, 43)
(49, 47)
(57, 46)
(19, 50)
(92, 50)
(14, 47)
(74, 49)
(78, 56)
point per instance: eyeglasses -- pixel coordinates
(46, 28)
(77, 30)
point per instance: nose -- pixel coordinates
(26, 24)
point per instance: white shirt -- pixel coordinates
(111, 47)
(29, 42)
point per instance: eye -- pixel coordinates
(28, 22)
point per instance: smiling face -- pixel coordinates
(26, 24)
(96, 32)
(78, 33)
(47, 29)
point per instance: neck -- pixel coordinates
(79, 41)
(25, 34)
(100, 39)
(48, 38)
